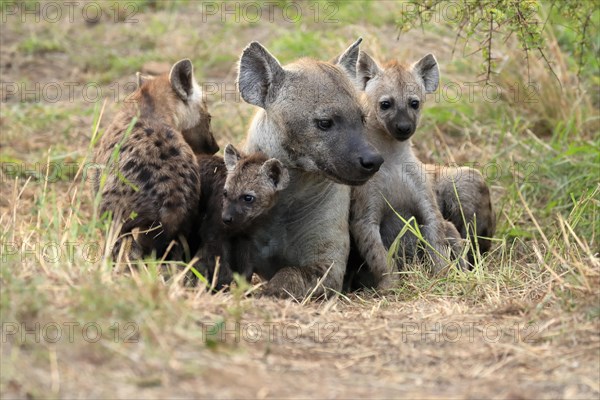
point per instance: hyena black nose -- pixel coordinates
(371, 162)
(227, 219)
(403, 129)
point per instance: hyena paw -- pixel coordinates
(457, 244)
(387, 282)
(287, 283)
(126, 250)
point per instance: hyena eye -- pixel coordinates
(414, 104)
(363, 119)
(324, 124)
(248, 198)
(224, 193)
(384, 105)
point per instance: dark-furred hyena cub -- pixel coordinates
(237, 193)
(152, 182)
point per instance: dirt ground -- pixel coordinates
(361, 348)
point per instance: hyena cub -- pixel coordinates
(238, 191)
(152, 182)
(464, 199)
(395, 95)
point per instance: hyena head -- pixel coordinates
(396, 92)
(251, 188)
(177, 99)
(315, 111)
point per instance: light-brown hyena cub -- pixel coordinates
(395, 94)
(238, 191)
(151, 180)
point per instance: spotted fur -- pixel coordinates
(151, 180)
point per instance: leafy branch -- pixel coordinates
(482, 20)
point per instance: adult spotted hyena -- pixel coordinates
(311, 119)
(151, 180)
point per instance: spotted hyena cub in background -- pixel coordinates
(238, 191)
(464, 199)
(151, 180)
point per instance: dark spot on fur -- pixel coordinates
(164, 156)
(144, 174)
(192, 177)
(174, 151)
(149, 131)
(158, 143)
(138, 124)
(483, 189)
(129, 165)
(124, 148)
(148, 185)
(172, 204)
(163, 178)
(170, 134)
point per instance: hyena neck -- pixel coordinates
(263, 136)
(136, 109)
(391, 149)
(305, 195)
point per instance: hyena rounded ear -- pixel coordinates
(276, 172)
(366, 69)
(182, 79)
(259, 76)
(427, 69)
(231, 158)
(347, 60)
(141, 79)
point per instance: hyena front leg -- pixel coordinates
(368, 239)
(443, 238)
(320, 270)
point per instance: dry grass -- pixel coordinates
(523, 324)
